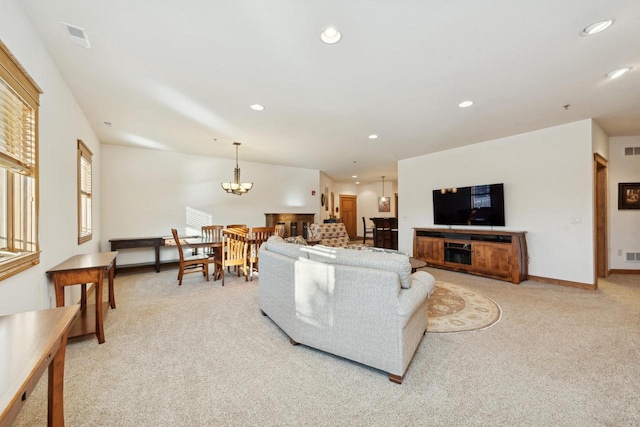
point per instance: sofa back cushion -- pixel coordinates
(397, 263)
(335, 242)
(278, 245)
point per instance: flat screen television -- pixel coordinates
(477, 205)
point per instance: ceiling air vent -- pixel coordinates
(77, 35)
(632, 151)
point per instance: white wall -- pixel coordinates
(146, 193)
(624, 225)
(368, 201)
(61, 124)
(367, 198)
(547, 176)
(600, 140)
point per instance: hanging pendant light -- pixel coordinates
(384, 204)
(236, 187)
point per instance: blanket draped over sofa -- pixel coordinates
(360, 305)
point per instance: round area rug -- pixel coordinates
(454, 308)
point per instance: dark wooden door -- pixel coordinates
(349, 214)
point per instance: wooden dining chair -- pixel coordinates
(212, 232)
(234, 253)
(258, 236)
(190, 264)
(367, 231)
(240, 228)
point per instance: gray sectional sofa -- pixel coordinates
(360, 305)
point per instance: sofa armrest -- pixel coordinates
(411, 299)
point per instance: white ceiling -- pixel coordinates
(175, 75)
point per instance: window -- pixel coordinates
(19, 98)
(84, 193)
(481, 196)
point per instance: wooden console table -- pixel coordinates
(80, 270)
(29, 343)
(498, 254)
(295, 224)
(139, 242)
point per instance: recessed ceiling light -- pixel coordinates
(465, 104)
(357, 182)
(354, 176)
(257, 107)
(617, 73)
(330, 35)
(597, 27)
(373, 136)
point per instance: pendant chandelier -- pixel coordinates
(236, 187)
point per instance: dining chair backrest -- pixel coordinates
(240, 226)
(262, 233)
(236, 251)
(212, 232)
(192, 264)
(177, 240)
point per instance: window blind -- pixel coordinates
(17, 133)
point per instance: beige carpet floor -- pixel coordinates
(202, 355)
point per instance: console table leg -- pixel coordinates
(55, 409)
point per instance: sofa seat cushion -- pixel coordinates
(398, 263)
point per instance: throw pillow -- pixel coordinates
(298, 240)
(278, 245)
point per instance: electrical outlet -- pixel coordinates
(576, 220)
(619, 252)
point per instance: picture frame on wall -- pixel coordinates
(628, 195)
(384, 204)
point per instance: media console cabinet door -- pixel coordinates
(494, 258)
(430, 250)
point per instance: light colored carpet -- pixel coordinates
(454, 308)
(203, 355)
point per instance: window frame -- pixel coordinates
(85, 153)
(19, 81)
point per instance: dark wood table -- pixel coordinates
(202, 242)
(80, 270)
(29, 343)
(139, 242)
(416, 264)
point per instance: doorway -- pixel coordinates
(600, 201)
(349, 214)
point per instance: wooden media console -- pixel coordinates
(497, 254)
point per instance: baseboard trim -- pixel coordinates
(578, 285)
(619, 271)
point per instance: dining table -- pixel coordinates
(197, 243)
(215, 245)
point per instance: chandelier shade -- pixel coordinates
(236, 187)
